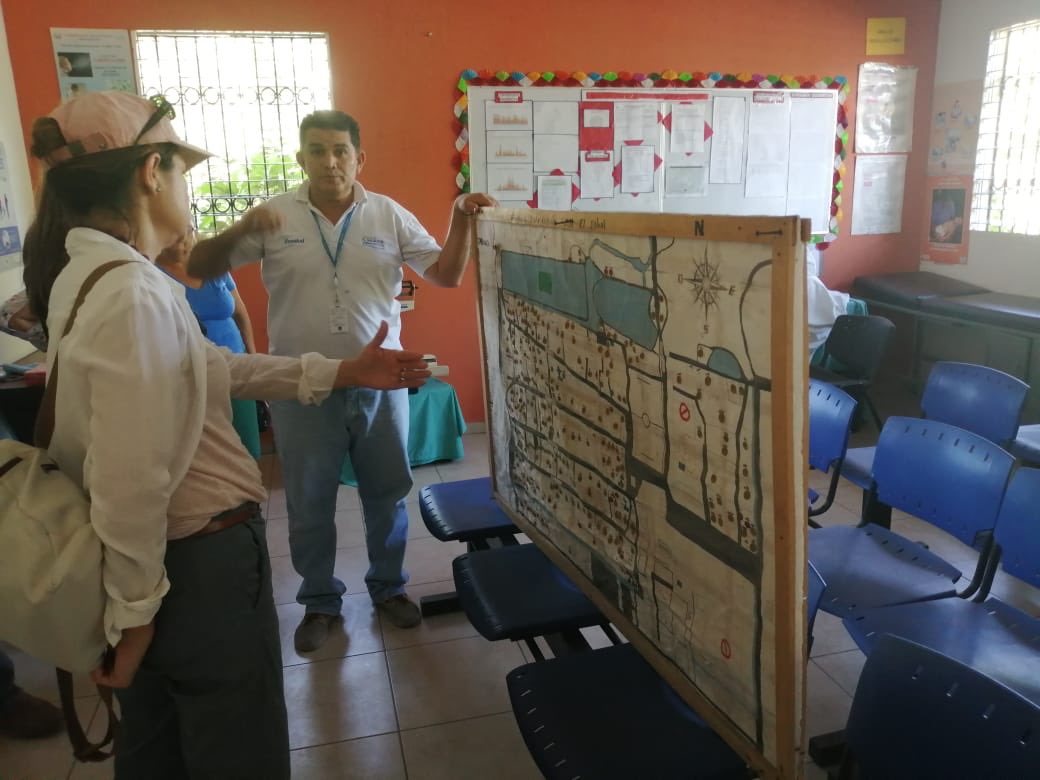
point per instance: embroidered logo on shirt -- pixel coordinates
(293, 240)
(374, 243)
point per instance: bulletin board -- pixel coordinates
(645, 379)
(688, 143)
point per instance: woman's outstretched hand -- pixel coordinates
(383, 369)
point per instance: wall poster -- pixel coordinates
(954, 135)
(10, 239)
(946, 234)
(91, 60)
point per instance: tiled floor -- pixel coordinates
(381, 703)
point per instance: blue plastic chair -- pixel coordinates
(517, 593)
(944, 475)
(1026, 445)
(992, 636)
(830, 419)
(463, 511)
(976, 398)
(979, 399)
(919, 715)
(608, 715)
(816, 588)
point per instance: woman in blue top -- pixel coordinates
(222, 312)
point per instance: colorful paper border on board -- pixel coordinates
(670, 79)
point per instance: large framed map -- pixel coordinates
(645, 380)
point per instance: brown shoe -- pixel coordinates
(313, 631)
(27, 717)
(401, 611)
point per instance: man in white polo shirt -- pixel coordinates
(332, 261)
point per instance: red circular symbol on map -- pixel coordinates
(727, 651)
(684, 412)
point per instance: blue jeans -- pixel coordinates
(7, 686)
(372, 427)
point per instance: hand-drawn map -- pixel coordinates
(631, 404)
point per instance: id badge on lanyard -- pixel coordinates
(338, 320)
(337, 316)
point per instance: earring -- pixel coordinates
(158, 189)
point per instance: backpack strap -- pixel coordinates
(82, 748)
(45, 418)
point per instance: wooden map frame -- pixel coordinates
(582, 278)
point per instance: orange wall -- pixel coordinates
(395, 66)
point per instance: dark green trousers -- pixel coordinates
(208, 703)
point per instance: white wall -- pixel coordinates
(12, 349)
(1002, 262)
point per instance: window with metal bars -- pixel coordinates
(241, 95)
(1006, 195)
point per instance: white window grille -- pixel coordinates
(1006, 195)
(241, 95)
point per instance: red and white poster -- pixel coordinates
(596, 131)
(946, 228)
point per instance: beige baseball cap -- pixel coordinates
(107, 120)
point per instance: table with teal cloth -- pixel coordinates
(435, 428)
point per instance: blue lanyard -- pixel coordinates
(334, 258)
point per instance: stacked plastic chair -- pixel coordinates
(608, 715)
(985, 632)
(507, 590)
(830, 420)
(920, 715)
(517, 593)
(944, 475)
(463, 511)
(977, 398)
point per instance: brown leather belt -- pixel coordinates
(228, 519)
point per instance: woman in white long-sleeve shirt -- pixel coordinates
(143, 420)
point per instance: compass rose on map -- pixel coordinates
(706, 284)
